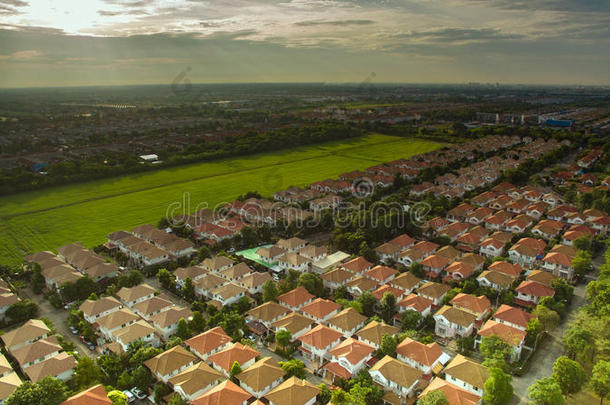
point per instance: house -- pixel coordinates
(360, 284)
(519, 224)
(396, 376)
(226, 392)
(513, 317)
(459, 271)
(209, 342)
(530, 292)
(236, 272)
(8, 384)
(559, 264)
(166, 322)
(271, 254)
(429, 358)
(433, 291)
(253, 282)
(434, 265)
(60, 366)
(358, 265)
(467, 374)
(459, 213)
(28, 333)
(336, 278)
(411, 256)
(347, 322)
(313, 253)
(386, 288)
(514, 337)
(316, 343)
(449, 252)
(454, 231)
(330, 262)
(152, 306)
(170, 363)
(293, 261)
(95, 309)
(195, 273)
(548, 229)
(294, 323)
(407, 282)
(526, 251)
(347, 359)
(228, 294)
(417, 303)
(217, 263)
(373, 332)
(296, 299)
(388, 252)
(496, 280)
(196, 380)
(261, 377)
(114, 321)
(133, 295)
(5, 366)
(293, 391)
(542, 277)
(454, 394)
(479, 215)
(513, 270)
(292, 244)
(451, 321)
(381, 274)
(207, 284)
(223, 360)
(139, 331)
(95, 395)
(36, 352)
(404, 241)
(320, 310)
(477, 306)
(267, 313)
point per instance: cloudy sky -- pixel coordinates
(106, 42)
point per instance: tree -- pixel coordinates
(177, 400)
(563, 291)
(581, 263)
(197, 324)
(367, 302)
(582, 243)
(533, 330)
(340, 293)
(235, 370)
(570, 375)
(578, 342)
(270, 292)
(388, 307)
(545, 391)
(182, 330)
(437, 397)
(111, 367)
(167, 279)
(548, 318)
(388, 345)
(233, 324)
(22, 311)
(48, 391)
(325, 394)
(293, 367)
(283, 338)
(142, 378)
(188, 290)
(312, 283)
(498, 390)
(410, 319)
(87, 372)
(600, 380)
(492, 347)
(117, 397)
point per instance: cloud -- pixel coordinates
(22, 55)
(579, 6)
(130, 3)
(334, 23)
(106, 13)
(10, 7)
(444, 35)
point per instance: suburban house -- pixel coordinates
(455, 395)
(451, 321)
(170, 363)
(95, 395)
(478, 306)
(261, 377)
(407, 282)
(114, 321)
(36, 352)
(267, 313)
(336, 278)
(195, 273)
(560, 264)
(294, 323)
(28, 333)
(196, 380)
(209, 342)
(530, 292)
(381, 274)
(373, 332)
(417, 303)
(316, 343)
(133, 295)
(166, 322)
(296, 299)
(511, 316)
(467, 374)
(254, 282)
(347, 322)
(347, 359)
(361, 284)
(152, 306)
(320, 310)
(429, 358)
(396, 376)
(514, 337)
(496, 280)
(228, 294)
(434, 292)
(223, 360)
(293, 391)
(293, 261)
(226, 392)
(95, 309)
(358, 265)
(139, 331)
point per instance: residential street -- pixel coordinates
(541, 365)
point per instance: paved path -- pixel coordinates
(541, 365)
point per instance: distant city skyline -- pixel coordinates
(52, 43)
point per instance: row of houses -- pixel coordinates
(38, 353)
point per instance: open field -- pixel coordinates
(86, 212)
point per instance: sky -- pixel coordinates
(117, 42)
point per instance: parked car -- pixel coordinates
(138, 393)
(73, 330)
(130, 397)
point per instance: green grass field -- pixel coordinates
(87, 212)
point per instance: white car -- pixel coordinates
(130, 396)
(138, 393)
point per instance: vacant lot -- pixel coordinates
(87, 212)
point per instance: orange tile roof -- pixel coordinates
(465, 269)
(320, 308)
(296, 297)
(352, 350)
(386, 288)
(320, 337)
(357, 265)
(95, 395)
(478, 304)
(419, 352)
(455, 395)
(207, 341)
(513, 315)
(226, 393)
(508, 334)
(416, 302)
(536, 289)
(236, 353)
(512, 269)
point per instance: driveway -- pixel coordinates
(541, 364)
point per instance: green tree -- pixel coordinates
(177, 400)
(410, 320)
(270, 292)
(498, 390)
(87, 373)
(22, 310)
(563, 291)
(548, 318)
(283, 338)
(325, 394)
(235, 370)
(570, 375)
(312, 283)
(111, 367)
(48, 391)
(233, 324)
(388, 307)
(166, 279)
(388, 345)
(437, 397)
(581, 263)
(492, 347)
(293, 367)
(545, 391)
(582, 243)
(340, 293)
(600, 380)
(142, 378)
(533, 330)
(578, 342)
(117, 397)
(197, 324)
(188, 290)
(367, 303)
(182, 330)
